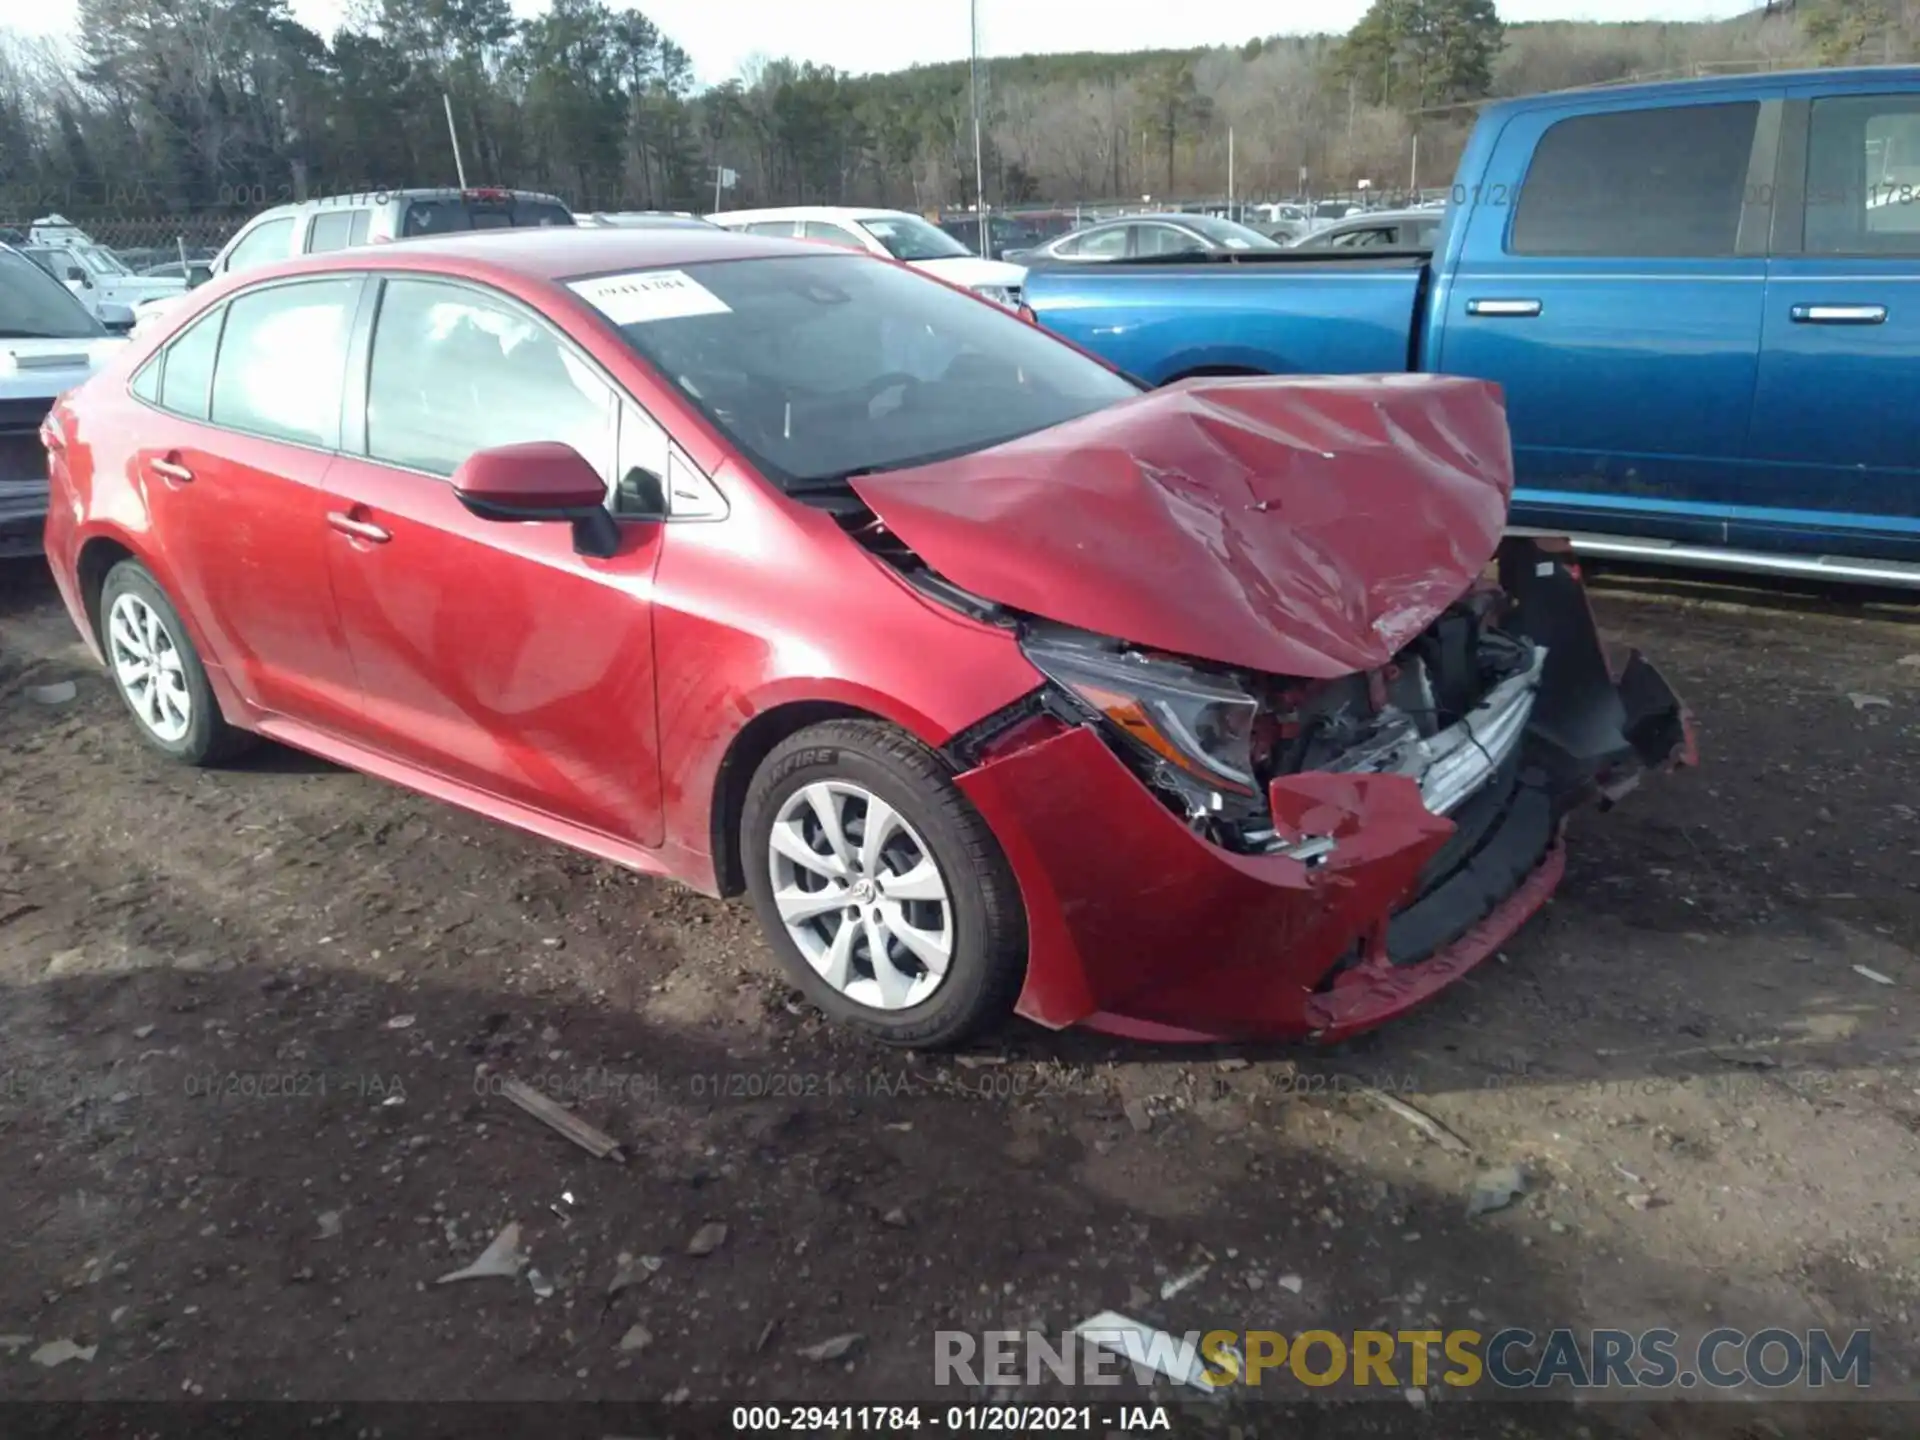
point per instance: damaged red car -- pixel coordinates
(999, 683)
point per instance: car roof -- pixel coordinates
(812, 212)
(550, 253)
(1858, 77)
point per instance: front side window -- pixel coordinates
(1669, 181)
(35, 306)
(455, 370)
(908, 237)
(820, 366)
(187, 372)
(1863, 176)
(262, 245)
(283, 356)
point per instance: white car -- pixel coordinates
(904, 236)
(94, 274)
(49, 343)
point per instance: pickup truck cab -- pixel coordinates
(1702, 300)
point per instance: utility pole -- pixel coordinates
(1230, 214)
(1413, 181)
(979, 153)
(459, 166)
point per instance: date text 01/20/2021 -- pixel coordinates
(957, 1419)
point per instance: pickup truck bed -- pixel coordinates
(1285, 312)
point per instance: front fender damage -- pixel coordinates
(1141, 927)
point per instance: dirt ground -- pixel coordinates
(243, 1127)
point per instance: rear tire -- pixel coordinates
(158, 672)
(856, 841)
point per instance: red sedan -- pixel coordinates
(998, 683)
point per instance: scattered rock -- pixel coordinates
(58, 693)
(542, 1286)
(631, 1270)
(1496, 1189)
(638, 1337)
(1416, 1397)
(1181, 1282)
(895, 1217)
(329, 1224)
(1139, 1116)
(141, 1032)
(1869, 702)
(1873, 975)
(500, 1260)
(838, 1348)
(58, 1352)
(11, 1343)
(707, 1239)
(1643, 1201)
(1138, 1298)
(1234, 1062)
(400, 1022)
(1292, 1284)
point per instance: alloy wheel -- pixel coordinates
(147, 663)
(861, 895)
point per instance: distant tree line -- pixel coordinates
(183, 107)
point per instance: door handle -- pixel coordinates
(359, 529)
(171, 470)
(1504, 309)
(1839, 314)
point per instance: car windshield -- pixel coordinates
(908, 237)
(1228, 234)
(35, 306)
(99, 261)
(823, 367)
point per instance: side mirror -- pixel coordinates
(117, 318)
(198, 275)
(75, 273)
(540, 480)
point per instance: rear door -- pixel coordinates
(1611, 280)
(1836, 430)
(489, 653)
(245, 415)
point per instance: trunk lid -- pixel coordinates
(1296, 526)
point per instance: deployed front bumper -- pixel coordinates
(1138, 926)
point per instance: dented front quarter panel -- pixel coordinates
(1295, 526)
(1139, 927)
(1158, 924)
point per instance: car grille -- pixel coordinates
(22, 457)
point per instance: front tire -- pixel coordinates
(158, 672)
(881, 888)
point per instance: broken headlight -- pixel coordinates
(1198, 722)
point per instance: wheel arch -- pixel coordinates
(751, 744)
(97, 556)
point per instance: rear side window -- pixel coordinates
(782, 228)
(1863, 176)
(282, 360)
(333, 230)
(1669, 181)
(455, 371)
(262, 245)
(441, 217)
(189, 367)
(831, 234)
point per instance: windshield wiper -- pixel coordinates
(829, 484)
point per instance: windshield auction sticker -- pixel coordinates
(647, 295)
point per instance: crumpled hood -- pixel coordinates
(1307, 527)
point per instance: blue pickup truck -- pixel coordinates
(1702, 299)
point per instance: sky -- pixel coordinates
(870, 35)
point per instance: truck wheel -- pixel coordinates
(158, 672)
(881, 888)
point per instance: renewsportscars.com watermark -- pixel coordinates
(1510, 1359)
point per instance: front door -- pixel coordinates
(1611, 281)
(489, 652)
(235, 466)
(1836, 430)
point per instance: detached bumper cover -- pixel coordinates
(1140, 927)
